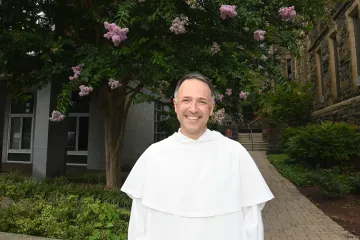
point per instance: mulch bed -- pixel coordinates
(344, 211)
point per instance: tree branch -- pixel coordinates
(126, 111)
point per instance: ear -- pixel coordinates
(174, 101)
(212, 108)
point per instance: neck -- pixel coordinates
(194, 136)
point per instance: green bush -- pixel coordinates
(66, 217)
(289, 105)
(287, 134)
(331, 183)
(296, 173)
(325, 145)
(28, 188)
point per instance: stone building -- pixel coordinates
(330, 59)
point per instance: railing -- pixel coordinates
(251, 133)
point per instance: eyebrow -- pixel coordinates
(201, 98)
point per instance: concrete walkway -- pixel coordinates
(10, 236)
(291, 215)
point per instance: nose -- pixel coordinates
(193, 107)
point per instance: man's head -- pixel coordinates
(194, 104)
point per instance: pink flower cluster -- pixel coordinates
(115, 33)
(84, 90)
(259, 35)
(178, 25)
(287, 13)
(215, 48)
(56, 116)
(227, 11)
(219, 115)
(219, 97)
(228, 91)
(77, 71)
(113, 83)
(243, 95)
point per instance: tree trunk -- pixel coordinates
(116, 109)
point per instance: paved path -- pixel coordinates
(291, 215)
(9, 236)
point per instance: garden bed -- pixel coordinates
(345, 211)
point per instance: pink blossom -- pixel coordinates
(215, 48)
(115, 33)
(259, 35)
(287, 13)
(243, 95)
(228, 91)
(227, 11)
(219, 115)
(219, 97)
(84, 90)
(77, 71)
(114, 84)
(178, 25)
(56, 116)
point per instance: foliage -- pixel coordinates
(291, 105)
(287, 134)
(325, 145)
(66, 217)
(296, 173)
(331, 182)
(17, 189)
(58, 208)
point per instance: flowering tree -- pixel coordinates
(119, 47)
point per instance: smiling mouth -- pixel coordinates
(192, 118)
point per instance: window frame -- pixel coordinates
(76, 152)
(158, 108)
(21, 116)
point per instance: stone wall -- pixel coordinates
(342, 107)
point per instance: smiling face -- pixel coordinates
(193, 106)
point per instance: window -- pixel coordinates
(319, 68)
(20, 130)
(159, 133)
(334, 58)
(288, 69)
(78, 131)
(356, 23)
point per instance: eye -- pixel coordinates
(185, 100)
(203, 102)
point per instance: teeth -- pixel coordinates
(193, 118)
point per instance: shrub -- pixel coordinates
(287, 134)
(291, 106)
(325, 145)
(66, 217)
(331, 183)
(296, 173)
(29, 188)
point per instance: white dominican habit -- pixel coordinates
(204, 189)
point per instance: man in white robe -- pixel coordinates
(197, 184)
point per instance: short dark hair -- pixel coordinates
(196, 76)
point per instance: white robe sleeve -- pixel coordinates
(253, 223)
(137, 223)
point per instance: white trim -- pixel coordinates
(19, 151)
(22, 162)
(77, 153)
(77, 164)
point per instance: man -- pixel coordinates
(197, 184)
